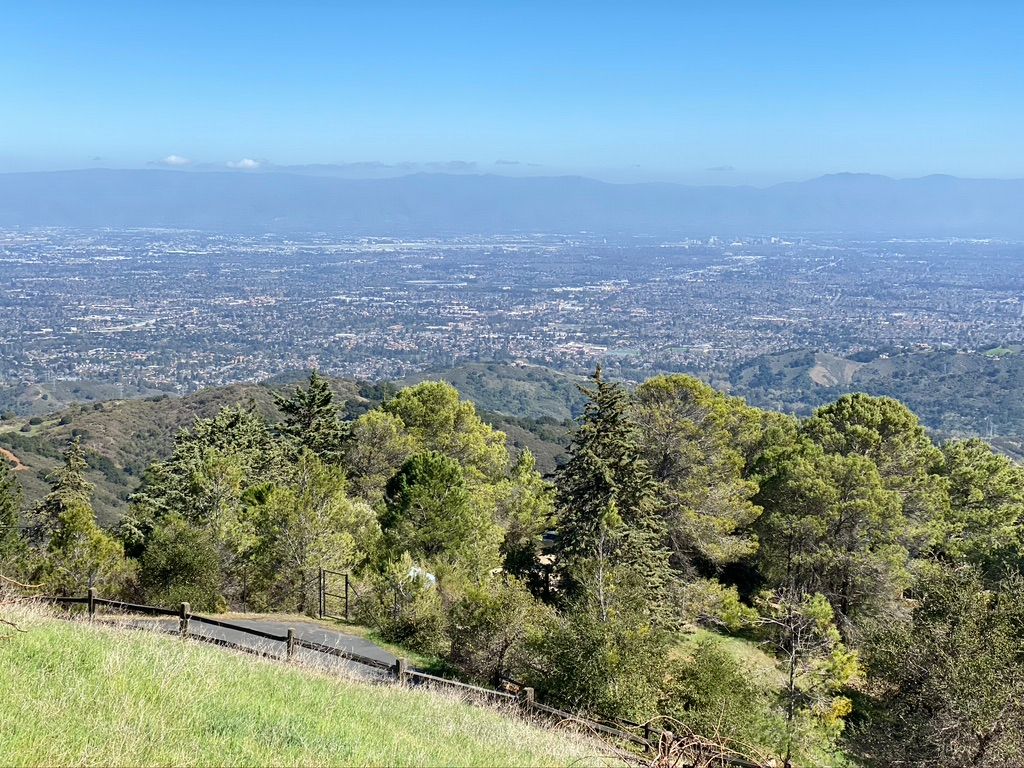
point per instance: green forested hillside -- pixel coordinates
(954, 394)
(528, 391)
(830, 590)
(123, 437)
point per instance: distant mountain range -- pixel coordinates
(442, 204)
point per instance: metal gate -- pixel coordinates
(329, 582)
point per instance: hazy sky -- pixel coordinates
(706, 91)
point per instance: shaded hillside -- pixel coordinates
(529, 391)
(123, 437)
(954, 393)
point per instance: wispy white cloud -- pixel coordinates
(245, 164)
(175, 161)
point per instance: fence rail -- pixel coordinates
(651, 740)
(236, 627)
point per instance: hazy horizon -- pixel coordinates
(382, 171)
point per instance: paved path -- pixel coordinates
(304, 630)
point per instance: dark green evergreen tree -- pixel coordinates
(430, 513)
(77, 553)
(609, 526)
(12, 545)
(212, 467)
(68, 487)
(313, 420)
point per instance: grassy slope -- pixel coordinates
(75, 694)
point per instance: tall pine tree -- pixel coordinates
(313, 420)
(77, 552)
(609, 526)
(12, 546)
(68, 487)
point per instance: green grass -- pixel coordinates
(93, 695)
(999, 352)
(762, 668)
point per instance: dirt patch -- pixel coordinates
(14, 460)
(830, 371)
(822, 376)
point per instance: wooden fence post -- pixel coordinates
(323, 588)
(290, 642)
(183, 612)
(346, 598)
(526, 698)
(401, 671)
(92, 603)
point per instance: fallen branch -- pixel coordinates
(16, 628)
(16, 583)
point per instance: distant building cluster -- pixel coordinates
(181, 310)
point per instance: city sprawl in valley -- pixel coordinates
(178, 311)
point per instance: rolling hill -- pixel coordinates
(954, 393)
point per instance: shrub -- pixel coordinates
(490, 627)
(403, 602)
(714, 696)
(611, 665)
(180, 565)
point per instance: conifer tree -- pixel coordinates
(313, 420)
(78, 553)
(11, 543)
(68, 487)
(606, 505)
(431, 513)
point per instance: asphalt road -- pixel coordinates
(303, 630)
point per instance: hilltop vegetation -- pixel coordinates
(110, 697)
(515, 390)
(125, 436)
(954, 393)
(683, 527)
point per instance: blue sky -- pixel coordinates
(694, 92)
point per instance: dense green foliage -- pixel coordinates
(848, 546)
(12, 546)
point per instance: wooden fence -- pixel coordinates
(639, 735)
